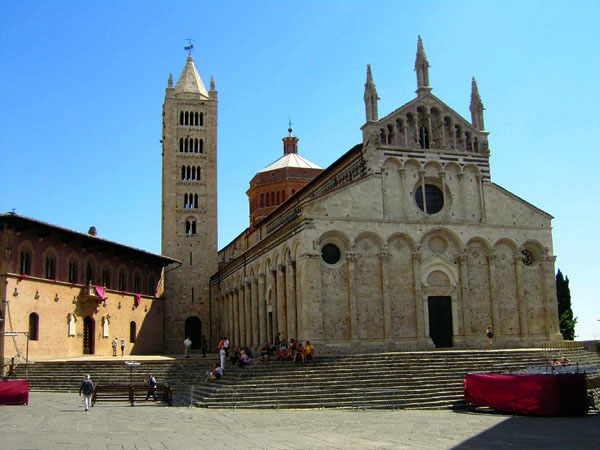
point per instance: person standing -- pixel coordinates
(490, 336)
(87, 387)
(222, 356)
(187, 345)
(204, 346)
(122, 347)
(114, 346)
(226, 346)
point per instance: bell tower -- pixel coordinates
(189, 205)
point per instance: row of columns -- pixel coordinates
(245, 308)
(296, 305)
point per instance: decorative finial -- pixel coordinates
(170, 82)
(474, 91)
(190, 46)
(212, 83)
(290, 125)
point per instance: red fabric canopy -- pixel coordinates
(14, 392)
(545, 395)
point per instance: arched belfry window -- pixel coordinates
(185, 201)
(201, 119)
(187, 116)
(194, 227)
(181, 144)
(50, 267)
(188, 170)
(201, 146)
(423, 136)
(181, 118)
(195, 200)
(198, 173)
(182, 173)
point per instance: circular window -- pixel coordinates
(527, 257)
(330, 253)
(434, 199)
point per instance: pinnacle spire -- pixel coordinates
(212, 83)
(189, 81)
(476, 107)
(422, 69)
(371, 97)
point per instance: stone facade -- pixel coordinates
(403, 243)
(189, 204)
(48, 280)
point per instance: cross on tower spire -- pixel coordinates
(190, 46)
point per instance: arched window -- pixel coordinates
(73, 271)
(181, 118)
(180, 145)
(278, 198)
(195, 200)
(187, 227)
(25, 262)
(198, 173)
(185, 202)
(151, 286)
(34, 320)
(106, 277)
(196, 145)
(193, 173)
(50, 267)
(187, 115)
(282, 196)
(201, 146)
(201, 119)
(194, 227)
(262, 200)
(122, 280)
(182, 172)
(196, 119)
(132, 332)
(137, 283)
(89, 273)
(188, 172)
(272, 198)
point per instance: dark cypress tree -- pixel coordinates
(565, 313)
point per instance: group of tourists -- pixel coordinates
(284, 351)
(115, 343)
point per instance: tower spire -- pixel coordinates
(422, 69)
(476, 107)
(371, 97)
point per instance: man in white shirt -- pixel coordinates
(187, 345)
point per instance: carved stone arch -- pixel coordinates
(452, 170)
(413, 164)
(471, 169)
(531, 251)
(286, 252)
(393, 162)
(433, 169)
(368, 236)
(450, 236)
(251, 273)
(402, 237)
(296, 249)
(486, 244)
(512, 244)
(267, 264)
(338, 236)
(441, 264)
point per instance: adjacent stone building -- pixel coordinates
(402, 243)
(73, 293)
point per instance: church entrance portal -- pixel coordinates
(88, 336)
(193, 330)
(440, 321)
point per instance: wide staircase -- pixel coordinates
(385, 380)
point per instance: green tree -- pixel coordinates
(565, 313)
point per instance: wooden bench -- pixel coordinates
(130, 393)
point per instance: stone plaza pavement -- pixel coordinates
(58, 421)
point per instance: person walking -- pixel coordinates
(114, 346)
(151, 381)
(187, 345)
(222, 356)
(122, 347)
(87, 387)
(490, 336)
(226, 346)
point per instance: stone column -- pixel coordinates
(309, 283)
(248, 311)
(521, 295)
(242, 313)
(464, 293)
(481, 200)
(423, 195)
(262, 311)
(384, 258)
(462, 200)
(281, 302)
(493, 300)
(548, 283)
(274, 307)
(291, 298)
(255, 314)
(420, 318)
(351, 258)
(236, 317)
(402, 173)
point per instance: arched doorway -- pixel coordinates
(88, 336)
(193, 330)
(440, 320)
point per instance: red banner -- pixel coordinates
(545, 395)
(14, 392)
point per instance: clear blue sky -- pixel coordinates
(82, 86)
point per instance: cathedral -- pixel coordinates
(403, 243)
